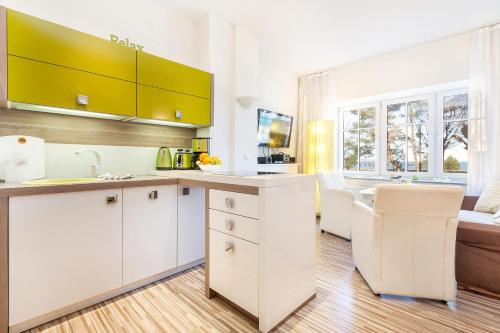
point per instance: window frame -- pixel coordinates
(340, 145)
(432, 135)
(434, 95)
(439, 120)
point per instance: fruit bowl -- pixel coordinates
(209, 167)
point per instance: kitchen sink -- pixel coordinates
(62, 181)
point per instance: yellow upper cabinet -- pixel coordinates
(161, 73)
(161, 104)
(38, 83)
(36, 39)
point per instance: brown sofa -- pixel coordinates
(477, 258)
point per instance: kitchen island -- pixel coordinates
(259, 246)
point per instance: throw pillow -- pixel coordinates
(489, 201)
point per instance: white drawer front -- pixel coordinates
(234, 272)
(236, 203)
(239, 226)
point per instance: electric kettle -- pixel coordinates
(163, 159)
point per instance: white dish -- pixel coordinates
(209, 167)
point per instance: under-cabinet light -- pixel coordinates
(70, 112)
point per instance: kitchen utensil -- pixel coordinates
(163, 159)
(183, 159)
(23, 156)
(200, 146)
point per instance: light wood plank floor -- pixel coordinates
(344, 303)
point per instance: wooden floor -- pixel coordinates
(343, 304)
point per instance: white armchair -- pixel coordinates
(336, 204)
(406, 244)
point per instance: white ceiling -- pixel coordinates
(308, 36)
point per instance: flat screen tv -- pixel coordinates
(274, 129)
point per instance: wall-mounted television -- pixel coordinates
(274, 129)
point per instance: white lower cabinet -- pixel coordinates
(191, 224)
(234, 270)
(149, 231)
(63, 248)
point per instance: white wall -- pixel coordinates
(278, 91)
(161, 30)
(439, 62)
(232, 54)
(218, 38)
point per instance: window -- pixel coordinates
(417, 135)
(359, 144)
(454, 114)
(407, 135)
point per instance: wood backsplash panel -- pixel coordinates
(55, 128)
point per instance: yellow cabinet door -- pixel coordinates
(35, 82)
(161, 73)
(159, 104)
(36, 39)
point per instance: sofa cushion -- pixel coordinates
(489, 201)
(475, 217)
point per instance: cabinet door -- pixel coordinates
(34, 82)
(162, 73)
(191, 224)
(154, 103)
(149, 231)
(36, 39)
(234, 270)
(63, 248)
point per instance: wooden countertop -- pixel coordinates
(249, 185)
(18, 189)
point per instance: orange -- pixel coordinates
(203, 156)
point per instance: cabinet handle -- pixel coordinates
(111, 199)
(229, 202)
(229, 225)
(153, 195)
(82, 100)
(229, 246)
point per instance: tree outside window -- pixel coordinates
(359, 144)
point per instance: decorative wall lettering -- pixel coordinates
(125, 42)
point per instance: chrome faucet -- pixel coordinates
(94, 167)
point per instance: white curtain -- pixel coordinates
(315, 122)
(484, 109)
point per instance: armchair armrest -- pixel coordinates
(338, 194)
(366, 244)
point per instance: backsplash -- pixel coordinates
(61, 161)
(64, 129)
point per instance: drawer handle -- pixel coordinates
(229, 225)
(153, 195)
(111, 199)
(229, 202)
(82, 100)
(229, 246)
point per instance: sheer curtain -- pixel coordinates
(484, 109)
(315, 122)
